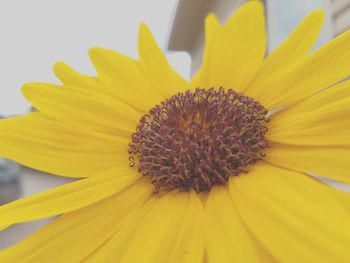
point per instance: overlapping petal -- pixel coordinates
(156, 68)
(76, 235)
(171, 235)
(295, 217)
(122, 78)
(236, 52)
(187, 242)
(328, 161)
(212, 29)
(318, 120)
(68, 197)
(226, 236)
(58, 148)
(312, 136)
(293, 49)
(90, 112)
(159, 232)
(119, 240)
(70, 77)
(299, 80)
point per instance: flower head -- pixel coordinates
(212, 170)
(199, 139)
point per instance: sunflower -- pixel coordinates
(217, 169)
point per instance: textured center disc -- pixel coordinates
(199, 139)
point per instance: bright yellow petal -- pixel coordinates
(227, 238)
(158, 230)
(61, 149)
(154, 232)
(195, 81)
(113, 249)
(76, 235)
(293, 215)
(122, 78)
(90, 112)
(68, 197)
(342, 197)
(323, 68)
(237, 52)
(70, 77)
(328, 161)
(186, 245)
(212, 29)
(294, 48)
(155, 66)
(89, 85)
(319, 120)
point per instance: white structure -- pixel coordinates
(187, 29)
(341, 15)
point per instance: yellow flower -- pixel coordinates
(182, 172)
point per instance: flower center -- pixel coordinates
(199, 139)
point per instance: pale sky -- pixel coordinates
(284, 15)
(36, 33)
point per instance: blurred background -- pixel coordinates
(37, 33)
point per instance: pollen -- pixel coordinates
(198, 139)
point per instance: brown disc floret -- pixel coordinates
(199, 139)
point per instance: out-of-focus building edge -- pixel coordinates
(186, 31)
(341, 15)
(187, 28)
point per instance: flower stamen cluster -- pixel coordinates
(196, 140)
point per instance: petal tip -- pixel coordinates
(27, 89)
(93, 52)
(254, 4)
(96, 54)
(60, 67)
(28, 85)
(145, 34)
(211, 18)
(318, 15)
(144, 29)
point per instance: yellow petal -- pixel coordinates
(226, 236)
(295, 47)
(212, 29)
(113, 249)
(68, 197)
(342, 197)
(85, 84)
(90, 112)
(122, 78)
(76, 235)
(61, 149)
(318, 120)
(328, 161)
(70, 77)
(155, 66)
(186, 244)
(195, 81)
(238, 50)
(323, 68)
(295, 217)
(152, 227)
(157, 230)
